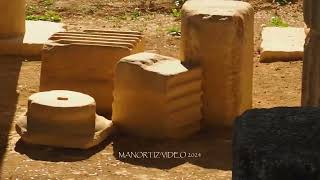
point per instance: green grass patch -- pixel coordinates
(47, 16)
(176, 13)
(276, 21)
(174, 30)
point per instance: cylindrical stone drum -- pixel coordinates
(12, 18)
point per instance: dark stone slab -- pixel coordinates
(277, 144)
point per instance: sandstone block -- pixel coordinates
(31, 42)
(219, 36)
(157, 97)
(282, 44)
(277, 144)
(63, 119)
(12, 18)
(85, 62)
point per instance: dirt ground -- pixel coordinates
(275, 84)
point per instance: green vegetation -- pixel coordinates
(44, 11)
(47, 2)
(276, 21)
(176, 30)
(176, 13)
(135, 14)
(48, 16)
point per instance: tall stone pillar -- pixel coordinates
(12, 18)
(219, 36)
(311, 62)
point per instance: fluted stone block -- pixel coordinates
(219, 36)
(85, 62)
(157, 97)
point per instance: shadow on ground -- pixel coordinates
(9, 74)
(45, 153)
(215, 148)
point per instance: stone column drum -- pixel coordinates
(219, 36)
(311, 62)
(12, 18)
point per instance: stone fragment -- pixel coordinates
(277, 144)
(63, 119)
(85, 62)
(219, 36)
(31, 42)
(157, 97)
(282, 44)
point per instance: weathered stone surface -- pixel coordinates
(219, 36)
(312, 14)
(311, 70)
(63, 119)
(276, 144)
(85, 62)
(12, 18)
(31, 42)
(157, 97)
(282, 44)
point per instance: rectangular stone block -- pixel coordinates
(277, 144)
(31, 42)
(85, 62)
(218, 35)
(156, 96)
(282, 44)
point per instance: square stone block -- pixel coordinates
(157, 97)
(282, 44)
(277, 144)
(218, 35)
(85, 62)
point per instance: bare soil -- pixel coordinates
(275, 84)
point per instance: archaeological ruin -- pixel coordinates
(63, 119)
(85, 61)
(218, 35)
(98, 86)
